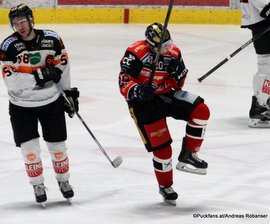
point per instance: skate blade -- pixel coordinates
(42, 204)
(170, 202)
(185, 168)
(257, 123)
(69, 201)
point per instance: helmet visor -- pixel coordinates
(165, 47)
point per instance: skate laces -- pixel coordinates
(65, 186)
(267, 114)
(39, 189)
(168, 190)
(195, 157)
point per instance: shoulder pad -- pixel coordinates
(50, 33)
(139, 49)
(6, 43)
(175, 51)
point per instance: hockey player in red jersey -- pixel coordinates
(32, 62)
(150, 105)
(256, 17)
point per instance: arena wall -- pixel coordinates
(128, 11)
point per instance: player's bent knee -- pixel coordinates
(200, 114)
(31, 150)
(57, 150)
(157, 135)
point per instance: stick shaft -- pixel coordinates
(168, 15)
(87, 128)
(232, 55)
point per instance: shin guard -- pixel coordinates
(162, 162)
(59, 159)
(33, 165)
(196, 126)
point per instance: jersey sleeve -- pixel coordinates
(64, 66)
(16, 76)
(61, 58)
(176, 54)
(131, 67)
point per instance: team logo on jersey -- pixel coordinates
(19, 46)
(35, 58)
(47, 43)
(49, 60)
(140, 47)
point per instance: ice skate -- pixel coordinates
(66, 190)
(191, 163)
(259, 115)
(40, 194)
(169, 195)
(259, 123)
(260, 120)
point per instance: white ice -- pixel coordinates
(238, 179)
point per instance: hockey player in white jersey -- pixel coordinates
(256, 17)
(33, 62)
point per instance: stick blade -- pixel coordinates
(117, 161)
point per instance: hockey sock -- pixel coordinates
(196, 126)
(59, 159)
(33, 165)
(162, 161)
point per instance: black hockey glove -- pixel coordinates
(43, 75)
(265, 13)
(177, 69)
(72, 95)
(142, 93)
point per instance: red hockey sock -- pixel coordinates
(162, 162)
(196, 126)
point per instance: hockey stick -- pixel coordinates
(118, 160)
(232, 55)
(154, 65)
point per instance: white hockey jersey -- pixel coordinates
(251, 11)
(20, 58)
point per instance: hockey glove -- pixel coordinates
(73, 105)
(141, 92)
(43, 75)
(265, 13)
(177, 69)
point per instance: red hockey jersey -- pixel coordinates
(136, 68)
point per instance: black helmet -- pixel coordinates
(153, 34)
(20, 10)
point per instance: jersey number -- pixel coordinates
(7, 70)
(64, 59)
(23, 58)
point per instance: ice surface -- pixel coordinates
(238, 178)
